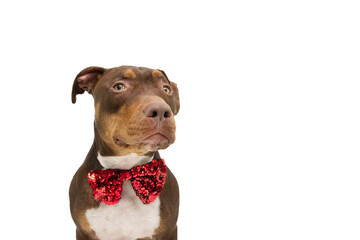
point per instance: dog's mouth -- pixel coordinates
(156, 137)
(153, 140)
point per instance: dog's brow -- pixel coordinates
(158, 74)
(129, 74)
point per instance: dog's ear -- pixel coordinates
(86, 81)
(176, 102)
(177, 99)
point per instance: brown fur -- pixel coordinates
(120, 115)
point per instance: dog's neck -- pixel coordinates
(109, 159)
(123, 162)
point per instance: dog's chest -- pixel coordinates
(129, 219)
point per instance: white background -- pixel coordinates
(268, 131)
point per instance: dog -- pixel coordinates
(134, 118)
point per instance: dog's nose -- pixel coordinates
(158, 111)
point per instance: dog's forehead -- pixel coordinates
(132, 72)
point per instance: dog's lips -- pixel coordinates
(156, 141)
(152, 139)
(156, 137)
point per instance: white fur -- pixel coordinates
(123, 162)
(129, 219)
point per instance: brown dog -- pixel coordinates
(134, 118)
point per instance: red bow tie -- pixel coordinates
(147, 181)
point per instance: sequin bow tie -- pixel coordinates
(147, 181)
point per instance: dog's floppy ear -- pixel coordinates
(176, 102)
(86, 81)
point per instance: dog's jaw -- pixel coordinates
(123, 162)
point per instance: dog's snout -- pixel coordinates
(158, 111)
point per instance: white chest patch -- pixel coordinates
(129, 219)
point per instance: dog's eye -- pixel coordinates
(119, 87)
(166, 89)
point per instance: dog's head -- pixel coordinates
(134, 108)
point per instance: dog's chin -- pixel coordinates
(155, 142)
